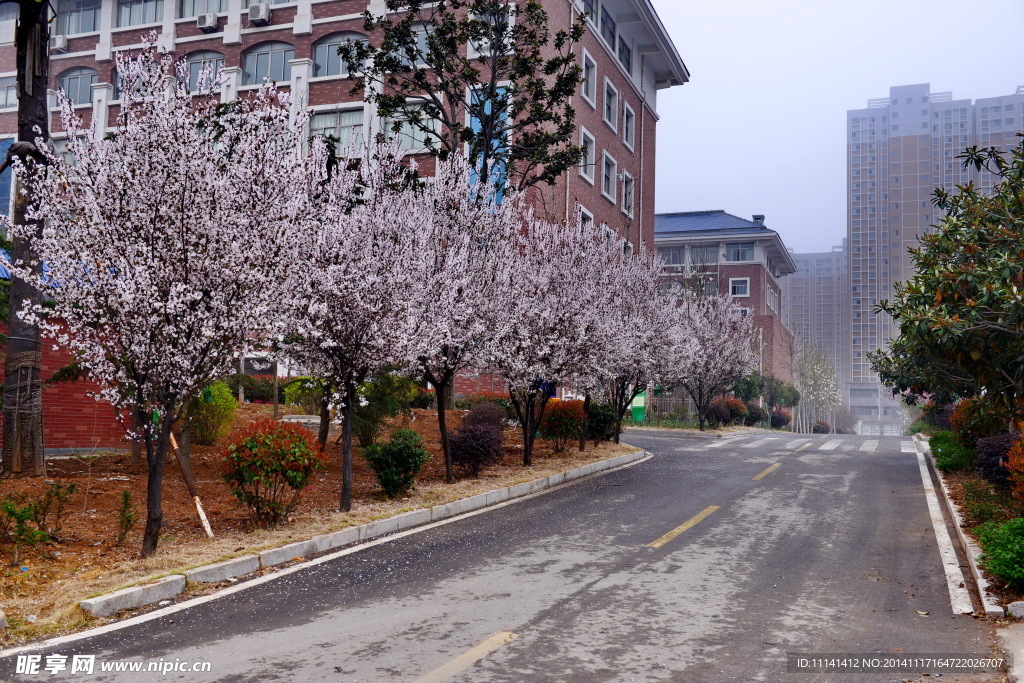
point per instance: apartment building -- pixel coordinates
(899, 149)
(738, 257)
(814, 302)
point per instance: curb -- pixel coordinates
(686, 434)
(170, 586)
(971, 549)
(1011, 638)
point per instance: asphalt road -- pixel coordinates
(832, 551)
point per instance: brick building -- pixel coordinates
(741, 258)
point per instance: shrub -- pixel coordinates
(755, 415)
(387, 395)
(485, 414)
(469, 401)
(737, 409)
(475, 446)
(601, 422)
(1015, 465)
(950, 454)
(821, 427)
(1003, 550)
(563, 423)
(210, 413)
(781, 419)
(266, 467)
(18, 523)
(397, 462)
(717, 414)
(258, 388)
(126, 517)
(937, 416)
(976, 418)
(992, 455)
(306, 392)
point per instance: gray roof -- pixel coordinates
(717, 222)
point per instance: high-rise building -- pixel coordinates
(899, 149)
(814, 303)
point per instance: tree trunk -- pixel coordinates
(186, 442)
(348, 414)
(586, 411)
(136, 442)
(156, 457)
(442, 389)
(325, 418)
(22, 396)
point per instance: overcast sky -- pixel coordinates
(761, 126)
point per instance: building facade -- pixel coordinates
(899, 149)
(744, 259)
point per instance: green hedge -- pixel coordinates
(950, 454)
(1003, 546)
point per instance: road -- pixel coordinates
(708, 562)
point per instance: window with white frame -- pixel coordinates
(8, 92)
(268, 61)
(772, 299)
(420, 48)
(586, 218)
(193, 8)
(739, 286)
(77, 16)
(326, 60)
(671, 256)
(627, 194)
(205, 63)
(628, 125)
(611, 105)
(703, 256)
(589, 85)
(589, 159)
(343, 127)
(134, 12)
(739, 251)
(77, 84)
(608, 27)
(744, 312)
(609, 177)
(410, 135)
(625, 54)
(500, 23)
(590, 7)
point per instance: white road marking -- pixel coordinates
(869, 446)
(959, 598)
(831, 445)
(759, 442)
(726, 442)
(796, 442)
(908, 447)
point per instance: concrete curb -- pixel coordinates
(148, 594)
(688, 434)
(971, 548)
(1011, 639)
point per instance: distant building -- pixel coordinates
(899, 149)
(815, 301)
(741, 258)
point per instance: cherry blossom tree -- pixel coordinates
(164, 242)
(711, 347)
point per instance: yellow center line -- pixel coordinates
(468, 658)
(806, 445)
(768, 471)
(689, 524)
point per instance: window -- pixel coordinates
(611, 105)
(77, 84)
(499, 24)
(410, 136)
(590, 7)
(589, 79)
(326, 60)
(268, 61)
(739, 286)
(586, 218)
(134, 12)
(625, 55)
(5, 177)
(772, 299)
(589, 155)
(703, 256)
(77, 16)
(739, 251)
(608, 28)
(628, 125)
(609, 177)
(345, 127)
(671, 256)
(420, 48)
(206, 63)
(8, 92)
(193, 8)
(627, 194)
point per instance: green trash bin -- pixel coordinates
(639, 413)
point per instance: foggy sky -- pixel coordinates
(761, 126)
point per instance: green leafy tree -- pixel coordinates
(490, 72)
(962, 314)
(749, 387)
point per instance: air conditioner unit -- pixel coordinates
(207, 23)
(59, 44)
(259, 14)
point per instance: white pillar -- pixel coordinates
(302, 71)
(302, 25)
(166, 39)
(108, 17)
(232, 79)
(233, 27)
(102, 94)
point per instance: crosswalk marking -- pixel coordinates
(795, 442)
(759, 442)
(831, 445)
(908, 447)
(725, 442)
(869, 446)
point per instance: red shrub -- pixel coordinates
(563, 422)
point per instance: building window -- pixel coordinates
(586, 218)
(609, 177)
(193, 8)
(739, 251)
(207, 63)
(345, 127)
(671, 256)
(739, 286)
(608, 28)
(625, 56)
(500, 23)
(611, 105)
(589, 79)
(628, 125)
(8, 92)
(326, 60)
(77, 85)
(772, 299)
(420, 49)
(77, 16)
(134, 12)
(627, 194)
(411, 136)
(703, 256)
(589, 159)
(268, 62)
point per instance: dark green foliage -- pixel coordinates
(938, 415)
(387, 395)
(486, 414)
(127, 516)
(821, 427)
(397, 462)
(267, 466)
(601, 422)
(950, 454)
(209, 414)
(258, 388)
(779, 394)
(26, 521)
(563, 423)
(1003, 546)
(475, 446)
(992, 453)
(781, 419)
(718, 414)
(748, 389)
(755, 415)
(468, 402)
(305, 392)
